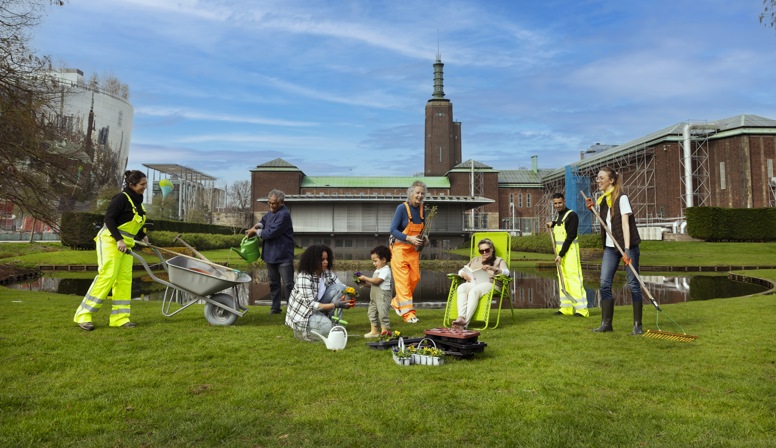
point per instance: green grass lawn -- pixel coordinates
(543, 381)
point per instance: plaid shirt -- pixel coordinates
(304, 297)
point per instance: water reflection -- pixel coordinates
(532, 289)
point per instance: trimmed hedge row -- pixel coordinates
(732, 224)
(77, 230)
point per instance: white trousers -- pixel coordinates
(469, 296)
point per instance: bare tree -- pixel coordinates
(239, 194)
(768, 16)
(111, 84)
(38, 161)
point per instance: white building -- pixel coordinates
(113, 115)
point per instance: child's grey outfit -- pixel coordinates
(380, 299)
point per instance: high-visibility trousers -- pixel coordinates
(113, 274)
(405, 268)
(571, 270)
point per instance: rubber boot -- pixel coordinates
(373, 333)
(637, 309)
(607, 311)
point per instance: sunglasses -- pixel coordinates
(485, 251)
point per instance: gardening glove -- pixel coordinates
(626, 257)
(341, 304)
(589, 203)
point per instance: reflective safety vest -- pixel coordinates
(129, 229)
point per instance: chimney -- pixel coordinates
(535, 164)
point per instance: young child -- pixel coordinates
(379, 292)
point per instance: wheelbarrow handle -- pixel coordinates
(194, 251)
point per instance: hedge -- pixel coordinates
(732, 224)
(77, 230)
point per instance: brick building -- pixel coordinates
(726, 163)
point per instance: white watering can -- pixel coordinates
(338, 337)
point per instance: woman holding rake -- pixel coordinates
(616, 208)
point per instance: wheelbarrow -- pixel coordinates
(192, 280)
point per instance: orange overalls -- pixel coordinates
(405, 267)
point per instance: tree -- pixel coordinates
(240, 201)
(768, 16)
(38, 159)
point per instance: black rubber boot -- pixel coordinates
(607, 311)
(637, 309)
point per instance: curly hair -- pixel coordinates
(417, 183)
(382, 252)
(310, 260)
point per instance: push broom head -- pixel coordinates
(680, 337)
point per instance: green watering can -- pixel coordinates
(249, 249)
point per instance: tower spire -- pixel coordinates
(439, 77)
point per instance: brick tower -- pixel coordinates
(443, 135)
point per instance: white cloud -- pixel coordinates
(170, 112)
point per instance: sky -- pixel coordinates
(339, 87)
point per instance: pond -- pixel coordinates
(532, 289)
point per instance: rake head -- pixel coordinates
(680, 337)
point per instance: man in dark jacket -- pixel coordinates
(277, 236)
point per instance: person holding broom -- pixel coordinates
(615, 209)
(573, 299)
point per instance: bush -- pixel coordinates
(732, 224)
(190, 227)
(199, 241)
(77, 230)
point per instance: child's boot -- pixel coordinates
(373, 333)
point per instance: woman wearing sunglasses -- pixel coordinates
(476, 286)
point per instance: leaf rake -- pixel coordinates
(656, 334)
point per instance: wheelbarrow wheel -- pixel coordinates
(217, 315)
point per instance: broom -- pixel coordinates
(557, 266)
(657, 334)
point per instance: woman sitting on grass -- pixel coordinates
(317, 291)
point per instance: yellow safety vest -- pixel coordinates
(129, 229)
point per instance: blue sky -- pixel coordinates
(339, 87)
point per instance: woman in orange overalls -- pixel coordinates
(406, 244)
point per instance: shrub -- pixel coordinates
(77, 230)
(732, 224)
(199, 241)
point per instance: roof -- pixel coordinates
(180, 171)
(372, 182)
(473, 201)
(725, 128)
(276, 163)
(522, 177)
(467, 165)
